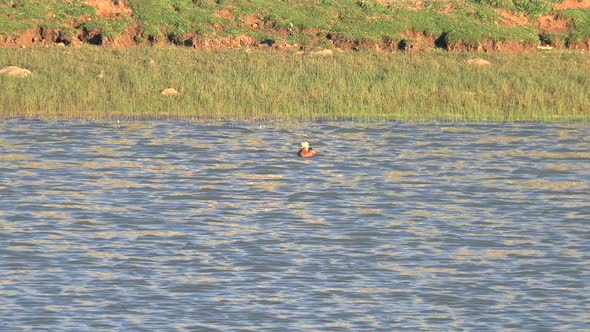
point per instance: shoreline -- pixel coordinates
(251, 85)
(293, 123)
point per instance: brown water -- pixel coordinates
(168, 226)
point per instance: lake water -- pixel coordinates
(172, 226)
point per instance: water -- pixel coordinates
(173, 226)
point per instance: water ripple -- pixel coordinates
(187, 227)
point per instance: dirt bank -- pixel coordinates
(115, 23)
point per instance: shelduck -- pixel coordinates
(306, 151)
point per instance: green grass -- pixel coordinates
(98, 83)
(172, 19)
(533, 8)
(354, 21)
(459, 24)
(579, 24)
(68, 17)
(472, 35)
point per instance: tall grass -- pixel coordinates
(100, 83)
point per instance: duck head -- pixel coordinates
(305, 145)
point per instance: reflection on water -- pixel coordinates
(185, 227)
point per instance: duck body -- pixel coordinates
(306, 151)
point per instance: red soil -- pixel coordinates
(110, 9)
(552, 24)
(573, 4)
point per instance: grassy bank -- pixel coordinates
(347, 24)
(98, 83)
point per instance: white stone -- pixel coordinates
(15, 71)
(169, 92)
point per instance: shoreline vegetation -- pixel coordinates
(258, 85)
(256, 60)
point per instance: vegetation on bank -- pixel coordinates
(252, 85)
(349, 24)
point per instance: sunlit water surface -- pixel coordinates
(168, 226)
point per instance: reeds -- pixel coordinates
(252, 85)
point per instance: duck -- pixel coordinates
(306, 151)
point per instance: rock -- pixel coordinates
(169, 92)
(15, 71)
(478, 61)
(325, 52)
